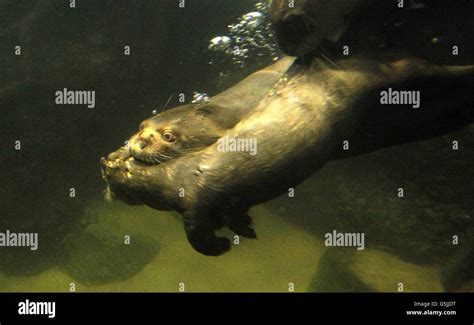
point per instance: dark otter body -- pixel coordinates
(299, 128)
(301, 27)
(181, 130)
(426, 29)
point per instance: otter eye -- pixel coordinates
(168, 137)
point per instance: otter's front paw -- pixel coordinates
(246, 232)
(201, 236)
(240, 225)
(208, 243)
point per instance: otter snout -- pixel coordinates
(142, 140)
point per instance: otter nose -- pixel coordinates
(139, 143)
(142, 144)
(147, 134)
(143, 139)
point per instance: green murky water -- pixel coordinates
(159, 259)
(408, 240)
(83, 241)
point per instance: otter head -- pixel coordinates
(173, 133)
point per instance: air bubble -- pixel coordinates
(220, 43)
(253, 19)
(252, 33)
(199, 98)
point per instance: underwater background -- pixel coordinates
(409, 240)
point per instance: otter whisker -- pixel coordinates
(167, 102)
(162, 155)
(189, 151)
(325, 57)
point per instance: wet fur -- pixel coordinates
(197, 126)
(299, 129)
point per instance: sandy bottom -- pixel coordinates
(284, 256)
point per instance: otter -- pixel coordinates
(299, 127)
(188, 128)
(420, 28)
(303, 26)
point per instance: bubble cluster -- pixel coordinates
(250, 37)
(199, 98)
(252, 19)
(220, 43)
